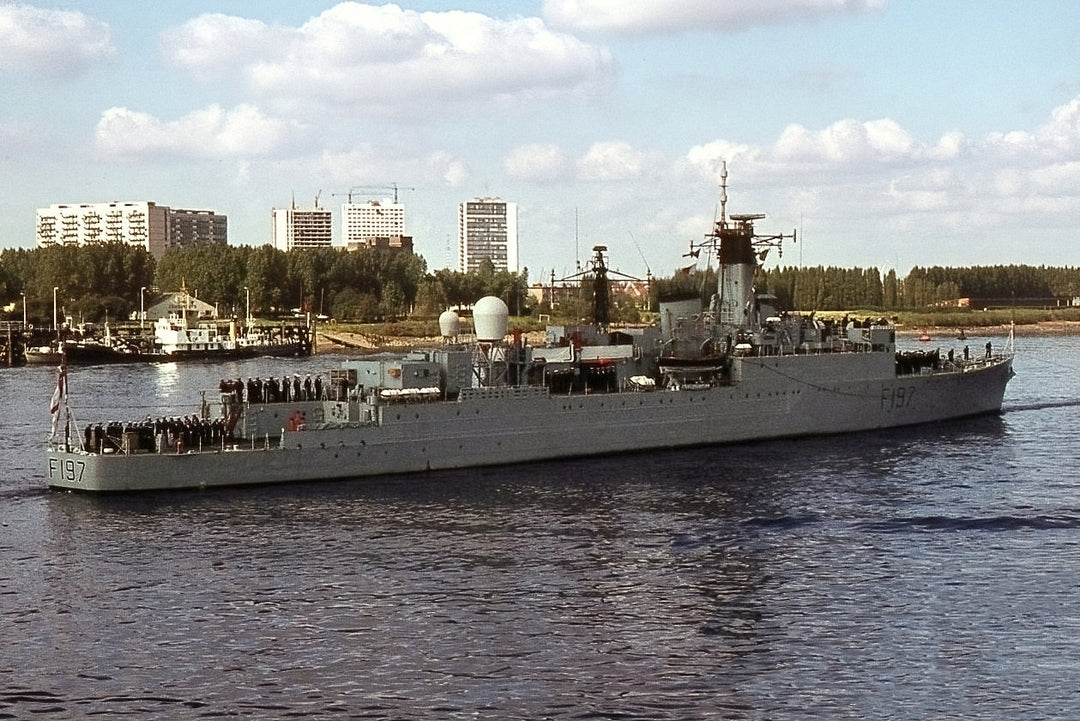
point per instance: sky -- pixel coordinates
(887, 133)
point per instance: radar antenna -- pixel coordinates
(598, 270)
(737, 226)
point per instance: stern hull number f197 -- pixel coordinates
(66, 469)
(895, 397)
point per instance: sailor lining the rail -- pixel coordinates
(257, 390)
(149, 435)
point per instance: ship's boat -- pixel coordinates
(734, 369)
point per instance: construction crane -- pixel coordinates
(361, 189)
(348, 194)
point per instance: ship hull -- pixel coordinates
(100, 355)
(781, 397)
(43, 356)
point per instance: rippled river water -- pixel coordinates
(919, 573)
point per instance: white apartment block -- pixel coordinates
(487, 229)
(372, 219)
(375, 224)
(298, 228)
(154, 227)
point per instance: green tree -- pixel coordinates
(356, 306)
(213, 273)
(430, 298)
(266, 276)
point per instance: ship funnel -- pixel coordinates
(490, 316)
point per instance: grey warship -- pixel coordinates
(737, 369)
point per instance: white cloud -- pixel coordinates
(951, 145)
(215, 41)
(710, 156)
(663, 17)
(1061, 135)
(1016, 144)
(888, 140)
(363, 163)
(1057, 139)
(919, 194)
(352, 166)
(538, 163)
(613, 160)
(1006, 182)
(877, 175)
(212, 132)
(451, 170)
(1058, 178)
(386, 61)
(50, 43)
(849, 142)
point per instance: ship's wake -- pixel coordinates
(1010, 408)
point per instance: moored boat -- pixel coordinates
(175, 339)
(51, 354)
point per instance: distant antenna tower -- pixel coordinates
(723, 192)
(577, 255)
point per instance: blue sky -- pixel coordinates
(890, 133)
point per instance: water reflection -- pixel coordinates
(891, 575)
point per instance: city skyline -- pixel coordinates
(888, 134)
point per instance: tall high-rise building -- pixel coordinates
(299, 228)
(154, 227)
(374, 223)
(487, 230)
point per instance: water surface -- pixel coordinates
(910, 574)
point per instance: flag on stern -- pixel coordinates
(58, 396)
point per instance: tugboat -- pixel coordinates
(738, 369)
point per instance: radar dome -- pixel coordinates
(449, 324)
(489, 317)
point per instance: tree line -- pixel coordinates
(831, 288)
(842, 288)
(93, 282)
(111, 280)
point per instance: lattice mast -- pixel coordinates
(738, 250)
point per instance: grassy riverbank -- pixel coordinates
(1028, 321)
(952, 318)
